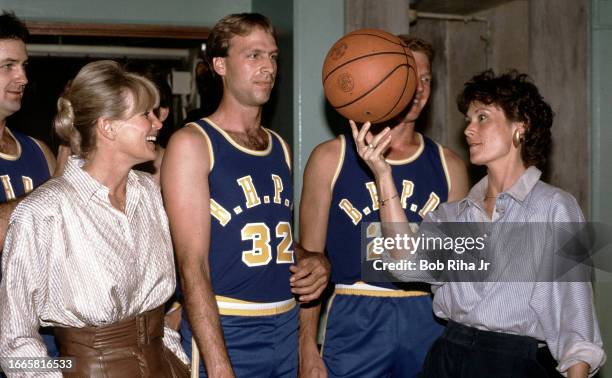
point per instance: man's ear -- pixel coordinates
(163, 113)
(219, 65)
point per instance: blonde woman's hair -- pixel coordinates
(100, 89)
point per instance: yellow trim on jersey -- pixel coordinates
(340, 163)
(195, 359)
(329, 306)
(175, 306)
(231, 300)
(242, 148)
(364, 289)
(211, 154)
(231, 306)
(18, 154)
(446, 172)
(410, 158)
(285, 147)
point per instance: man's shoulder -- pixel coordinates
(454, 162)
(330, 149)
(187, 153)
(324, 163)
(23, 144)
(448, 153)
(451, 156)
(188, 136)
(32, 151)
(190, 129)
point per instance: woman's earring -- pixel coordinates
(517, 138)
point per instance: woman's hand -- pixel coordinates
(578, 370)
(372, 151)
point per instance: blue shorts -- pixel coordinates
(369, 336)
(49, 340)
(258, 346)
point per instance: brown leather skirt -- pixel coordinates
(130, 348)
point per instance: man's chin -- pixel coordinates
(411, 117)
(12, 108)
(262, 100)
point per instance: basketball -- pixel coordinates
(369, 75)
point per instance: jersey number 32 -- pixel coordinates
(261, 253)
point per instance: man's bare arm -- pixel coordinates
(184, 179)
(51, 162)
(310, 273)
(458, 176)
(314, 212)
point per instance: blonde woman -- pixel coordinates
(89, 252)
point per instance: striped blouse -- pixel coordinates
(72, 260)
(559, 313)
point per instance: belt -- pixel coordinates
(138, 331)
(130, 348)
(364, 289)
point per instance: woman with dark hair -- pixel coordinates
(494, 327)
(89, 252)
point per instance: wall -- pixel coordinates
(548, 40)
(601, 154)
(390, 15)
(558, 63)
(189, 12)
(601, 93)
(509, 33)
(464, 49)
(466, 55)
(317, 25)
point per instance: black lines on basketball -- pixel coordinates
(397, 102)
(372, 89)
(362, 57)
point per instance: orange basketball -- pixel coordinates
(369, 75)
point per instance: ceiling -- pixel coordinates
(460, 7)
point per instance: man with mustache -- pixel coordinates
(226, 183)
(25, 163)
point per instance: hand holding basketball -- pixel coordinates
(371, 148)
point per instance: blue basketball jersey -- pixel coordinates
(422, 184)
(251, 200)
(21, 173)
